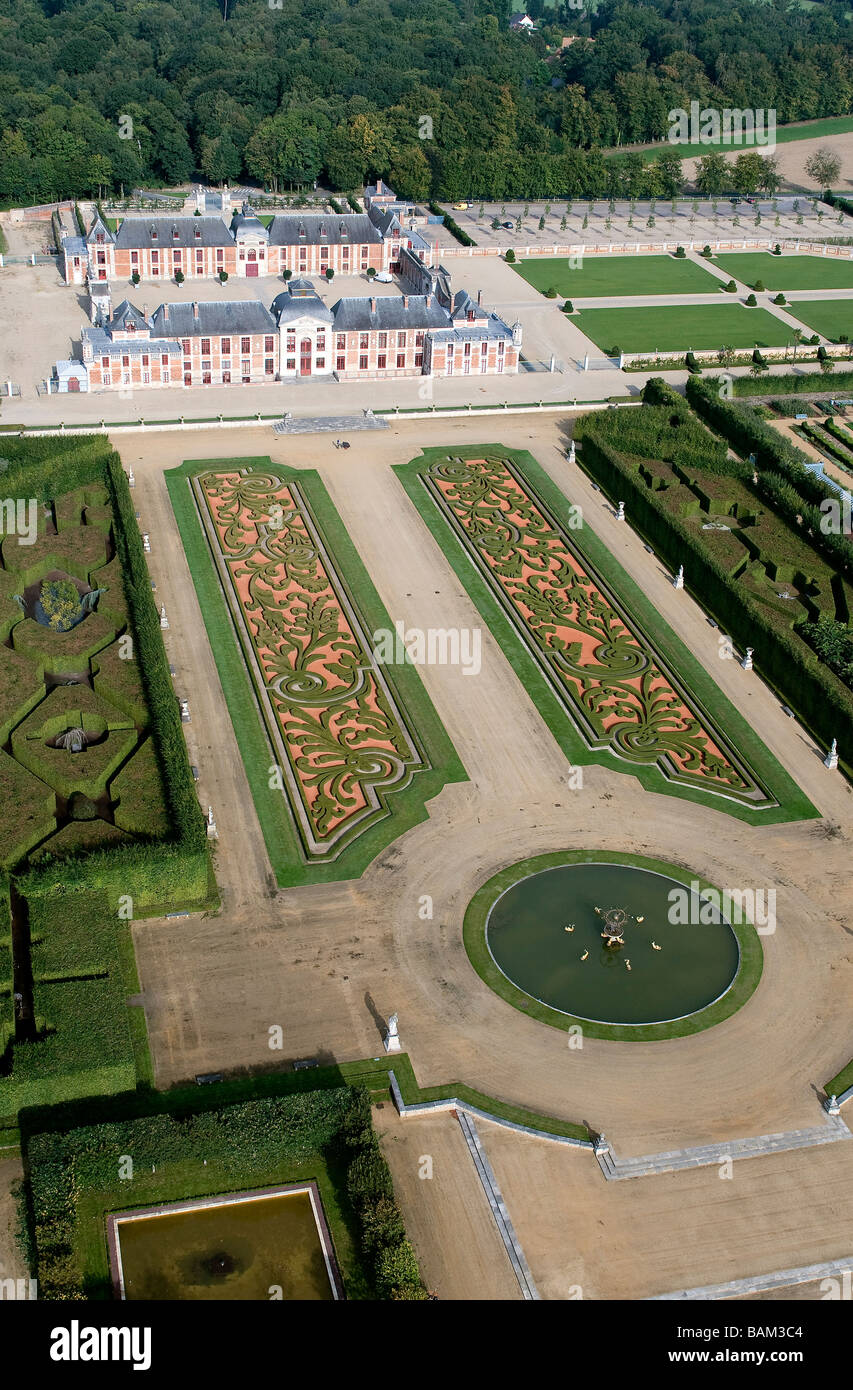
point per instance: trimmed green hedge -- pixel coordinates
(74, 1179)
(808, 686)
(86, 1051)
(783, 478)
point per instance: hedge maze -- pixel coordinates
(49, 688)
(99, 805)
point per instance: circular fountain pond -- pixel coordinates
(612, 943)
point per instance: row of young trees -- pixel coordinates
(436, 96)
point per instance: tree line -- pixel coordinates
(438, 97)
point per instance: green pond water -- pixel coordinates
(237, 1250)
(528, 941)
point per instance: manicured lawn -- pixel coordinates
(679, 327)
(600, 276)
(787, 272)
(829, 317)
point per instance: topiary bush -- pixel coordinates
(751, 301)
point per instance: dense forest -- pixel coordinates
(437, 96)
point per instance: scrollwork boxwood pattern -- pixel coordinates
(329, 710)
(604, 671)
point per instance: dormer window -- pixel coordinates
(344, 229)
(470, 315)
(323, 231)
(301, 232)
(198, 233)
(153, 233)
(175, 234)
(100, 238)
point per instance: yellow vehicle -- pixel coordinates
(461, 207)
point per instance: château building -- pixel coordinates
(227, 342)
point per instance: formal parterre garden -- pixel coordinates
(101, 824)
(79, 1175)
(611, 680)
(341, 751)
(749, 534)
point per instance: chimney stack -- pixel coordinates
(405, 301)
(195, 310)
(479, 296)
(373, 304)
(145, 312)
(165, 313)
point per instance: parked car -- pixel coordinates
(384, 277)
(509, 225)
(461, 207)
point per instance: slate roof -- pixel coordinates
(74, 245)
(98, 225)
(103, 346)
(247, 223)
(226, 316)
(352, 229)
(356, 315)
(300, 300)
(125, 316)
(135, 233)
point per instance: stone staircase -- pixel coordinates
(707, 1155)
(498, 1206)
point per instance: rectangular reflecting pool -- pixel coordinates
(273, 1243)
